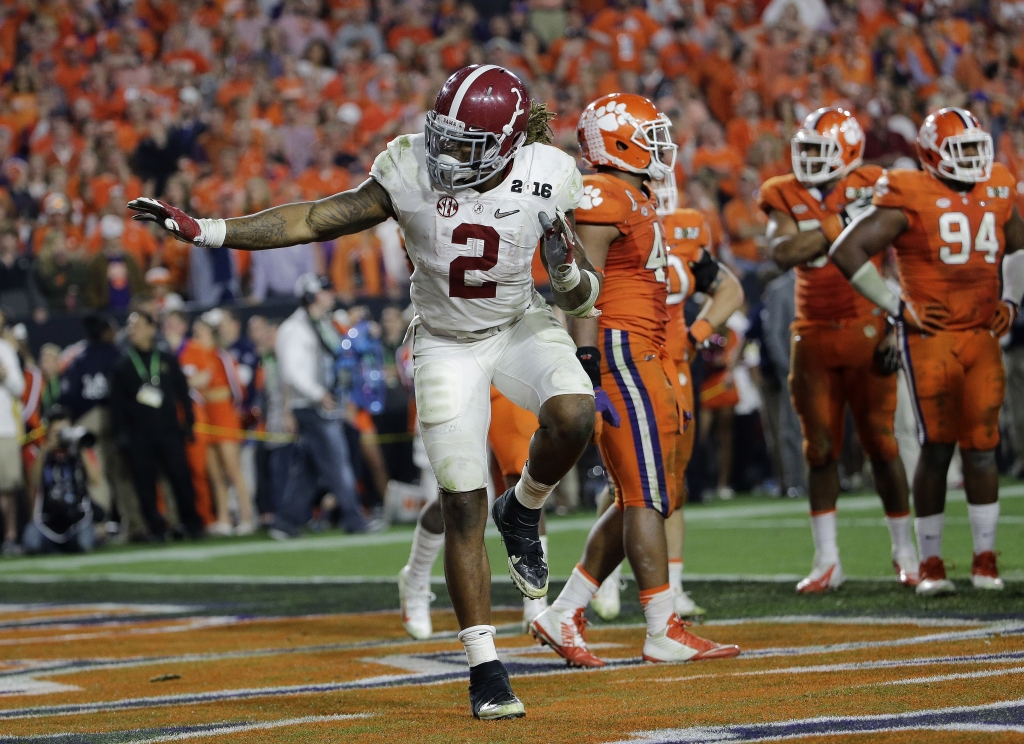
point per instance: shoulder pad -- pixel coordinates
(399, 167)
(1001, 176)
(895, 188)
(603, 202)
(769, 196)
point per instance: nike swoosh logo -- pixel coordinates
(498, 214)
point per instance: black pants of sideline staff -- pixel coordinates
(145, 454)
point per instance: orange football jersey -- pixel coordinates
(822, 292)
(687, 234)
(952, 249)
(634, 291)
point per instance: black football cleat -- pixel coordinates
(519, 528)
(490, 693)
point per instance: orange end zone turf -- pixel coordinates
(130, 674)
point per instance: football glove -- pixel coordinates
(202, 232)
(927, 318)
(699, 332)
(559, 241)
(1003, 318)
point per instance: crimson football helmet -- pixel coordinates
(839, 139)
(476, 127)
(943, 139)
(627, 132)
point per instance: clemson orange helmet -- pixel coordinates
(943, 142)
(627, 132)
(839, 140)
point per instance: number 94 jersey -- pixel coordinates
(634, 293)
(952, 248)
(472, 252)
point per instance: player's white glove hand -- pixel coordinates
(207, 233)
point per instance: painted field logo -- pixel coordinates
(447, 206)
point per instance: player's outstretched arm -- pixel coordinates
(1013, 276)
(290, 224)
(791, 243)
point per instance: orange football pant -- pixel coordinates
(957, 383)
(640, 454)
(509, 434)
(832, 365)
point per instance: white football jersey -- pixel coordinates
(472, 253)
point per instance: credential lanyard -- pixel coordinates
(154, 365)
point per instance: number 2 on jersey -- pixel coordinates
(657, 261)
(457, 269)
(955, 228)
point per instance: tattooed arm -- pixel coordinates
(290, 224)
(311, 222)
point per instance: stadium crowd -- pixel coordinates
(226, 107)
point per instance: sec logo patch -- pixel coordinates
(447, 206)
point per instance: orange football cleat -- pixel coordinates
(565, 634)
(984, 574)
(679, 644)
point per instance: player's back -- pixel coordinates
(687, 233)
(633, 295)
(952, 249)
(822, 292)
(472, 251)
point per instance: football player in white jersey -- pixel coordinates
(473, 201)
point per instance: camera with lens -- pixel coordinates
(75, 438)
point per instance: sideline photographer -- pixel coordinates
(61, 479)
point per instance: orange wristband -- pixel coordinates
(700, 331)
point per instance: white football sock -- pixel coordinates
(899, 533)
(531, 493)
(823, 530)
(929, 535)
(983, 519)
(577, 592)
(426, 546)
(479, 643)
(658, 607)
(675, 575)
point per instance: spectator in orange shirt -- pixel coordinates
(682, 55)
(717, 156)
(60, 145)
(113, 278)
(356, 266)
(748, 124)
(57, 211)
(625, 29)
(793, 80)
(414, 26)
(137, 241)
(746, 224)
(323, 178)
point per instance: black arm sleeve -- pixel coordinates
(705, 271)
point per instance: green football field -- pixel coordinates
(751, 538)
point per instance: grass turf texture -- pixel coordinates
(251, 624)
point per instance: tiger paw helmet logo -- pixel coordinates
(591, 197)
(929, 134)
(610, 118)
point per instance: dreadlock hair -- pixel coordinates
(538, 125)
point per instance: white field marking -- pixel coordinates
(221, 729)
(47, 609)
(336, 542)
(25, 685)
(194, 624)
(1008, 658)
(950, 677)
(918, 622)
(996, 628)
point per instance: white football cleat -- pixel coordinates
(686, 607)
(565, 634)
(932, 581)
(822, 578)
(984, 574)
(676, 643)
(606, 601)
(532, 608)
(907, 568)
(415, 607)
